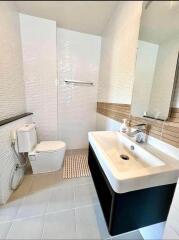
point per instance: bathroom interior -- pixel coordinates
(89, 120)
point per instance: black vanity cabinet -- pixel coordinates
(125, 212)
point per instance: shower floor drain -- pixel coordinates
(124, 157)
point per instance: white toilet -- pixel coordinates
(47, 156)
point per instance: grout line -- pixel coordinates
(44, 215)
(49, 200)
(75, 221)
(73, 208)
(49, 213)
(75, 185)
(43, 228)
(9, 230)
(60, 187)
(21, 218)
(19, 207)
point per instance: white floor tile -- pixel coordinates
(61, 198)
(34, 204)
(90, 223)
(9, 211)
(60, 225)
(153, 232)
(4, 229)
(64, 183)
(82, 181)
(85, 195)
(134, 235)
(67, 210)
(30, 228)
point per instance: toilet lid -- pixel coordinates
(49, 146)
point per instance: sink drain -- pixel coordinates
(124, 157)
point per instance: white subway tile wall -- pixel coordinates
(78, 60)
(40, 73)
(12, 98)
(7, 157)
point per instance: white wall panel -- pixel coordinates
(40, 73)
(12, 98)
(104, 123)
(78, 59)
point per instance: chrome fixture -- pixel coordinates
(139, 133)
(79, 82)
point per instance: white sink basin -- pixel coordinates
(138, 156)
(146, 166)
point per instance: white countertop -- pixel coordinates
(130, 175)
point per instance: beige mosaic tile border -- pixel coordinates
(167, 131)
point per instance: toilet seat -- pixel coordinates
(49, 146)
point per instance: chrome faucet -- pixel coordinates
(139, 133)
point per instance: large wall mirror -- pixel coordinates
(156, 62)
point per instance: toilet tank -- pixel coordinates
(27, 138)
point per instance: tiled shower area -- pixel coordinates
(62, 109)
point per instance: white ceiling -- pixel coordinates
(83, 16)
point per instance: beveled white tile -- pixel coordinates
(61, 198)
(30, 228)
(34, 204)
(76, 101)
(90, 223)
(4, 229)
(60, 225)
(85, 195)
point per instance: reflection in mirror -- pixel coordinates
(156, 62)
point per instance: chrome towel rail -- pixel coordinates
(79, 82)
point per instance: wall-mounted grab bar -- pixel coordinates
(79, 82)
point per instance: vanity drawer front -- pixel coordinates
(103, 189)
